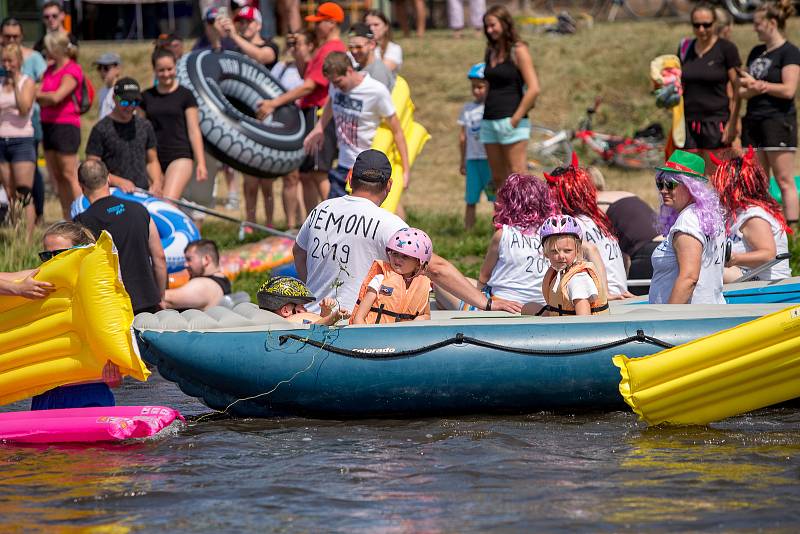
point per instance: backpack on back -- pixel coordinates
(83, 97)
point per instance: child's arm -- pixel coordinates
(364, 306)
(492, 255)
(425, 315)
(462, 146)
(582, 307)
(334, 318)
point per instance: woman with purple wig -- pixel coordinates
(515, 263)
(688, 264)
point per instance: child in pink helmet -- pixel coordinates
(396, 290)
(571, 286)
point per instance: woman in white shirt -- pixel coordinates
(574, 194)
(688, 264)
(389, 52)
(755, 226)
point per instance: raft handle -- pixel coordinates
(461, 339)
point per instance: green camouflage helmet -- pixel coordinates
(281, 290)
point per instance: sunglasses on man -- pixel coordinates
(698, 25)
(667, 184)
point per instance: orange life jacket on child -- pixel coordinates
(395, 301)
(559, 303)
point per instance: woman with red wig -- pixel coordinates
(574, 193)
(515, 264)
(755, 223)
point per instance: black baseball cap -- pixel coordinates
(127, 89)
(359, 29)
(372, 166)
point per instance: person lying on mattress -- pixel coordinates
(571, 286)
(396, 290)
(287, 297)
(59, 238)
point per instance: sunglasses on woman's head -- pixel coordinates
(667, 184)
(698, 25)
(49, 254)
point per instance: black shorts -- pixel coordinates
(772, 133)
(164, 159)
(62, 138)
(323, 160)
(704, 135)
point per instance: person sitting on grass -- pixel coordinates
(397, 290)
(207, 283)
(571, 286)
(287, 296)
(59, 238)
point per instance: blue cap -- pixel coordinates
(476, 71)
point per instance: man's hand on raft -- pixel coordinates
(499, 304)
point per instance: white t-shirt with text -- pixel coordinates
(665, 263)
(357, 115)
(520, 268)
(342, 237)
(740, 246)
(470, 118)
(609, 250)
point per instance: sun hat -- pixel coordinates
(686, 163)
(109, 58)
(328, 11)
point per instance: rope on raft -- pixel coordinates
(461, 339)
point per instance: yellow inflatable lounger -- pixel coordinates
(68, 336)
(416, 137)
(735, 371)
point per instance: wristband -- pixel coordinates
(488, 304)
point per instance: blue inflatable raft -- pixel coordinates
(250, 362)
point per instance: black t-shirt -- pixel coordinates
(705, 81)
(167, 113)
(767, 66)
(270, 44)
(123, 147)
(39, 45)
(129, 224)
(634, 223)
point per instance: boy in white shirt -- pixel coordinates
(357, 103)
(474, 164)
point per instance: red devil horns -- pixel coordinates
(549, 178)
(574, 159)
(750, 153)
(715, 159)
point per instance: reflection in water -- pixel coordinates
(545, 471)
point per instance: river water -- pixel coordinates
(542, 471)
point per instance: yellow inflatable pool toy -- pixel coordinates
(751, 366)
(416, 137)
(68, 336)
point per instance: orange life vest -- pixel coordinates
(559, 303)
(395, 301)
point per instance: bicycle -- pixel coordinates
(548, 148)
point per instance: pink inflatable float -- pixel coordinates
(86, 424)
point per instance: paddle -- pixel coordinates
(763, 267)
(241, 222)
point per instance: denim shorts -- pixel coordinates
(17, 150)
(338, 178)
(501, 132)
(95, 394)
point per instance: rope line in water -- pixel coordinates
(461, 339)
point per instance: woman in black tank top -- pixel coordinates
(513, 88)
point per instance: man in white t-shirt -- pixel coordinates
(357, 104)
(343, 236)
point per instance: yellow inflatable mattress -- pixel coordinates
(735, 371)
(68, 336)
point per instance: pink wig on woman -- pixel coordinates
(709, 210)
(523, 202)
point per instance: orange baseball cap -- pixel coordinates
(328, 11)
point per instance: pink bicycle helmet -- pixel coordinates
(560, 225)
(412, 242)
